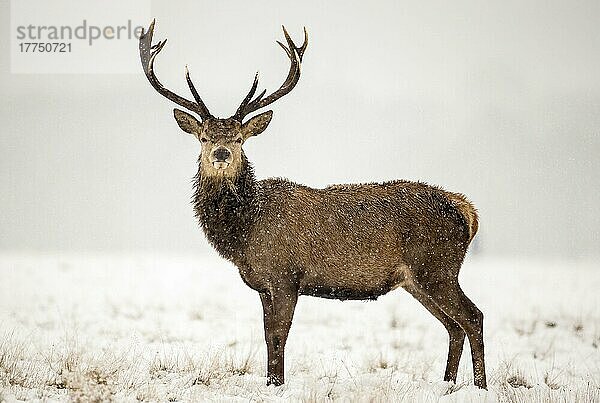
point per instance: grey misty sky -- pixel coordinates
(498, 101)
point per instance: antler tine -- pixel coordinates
(295, 54)
(148, 53)
(286, 50)
(302, 48)
(199, 101)
(238, 113)
(259, 96)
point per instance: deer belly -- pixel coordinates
(358, 283)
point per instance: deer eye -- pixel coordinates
(203, 140)
(238, 140)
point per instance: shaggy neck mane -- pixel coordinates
(227, 209)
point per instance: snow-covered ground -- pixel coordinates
(169, 328)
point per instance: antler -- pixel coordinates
(148, 53)
(295, 54)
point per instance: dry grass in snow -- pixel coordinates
(101, 328)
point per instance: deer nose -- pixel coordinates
(222, 154)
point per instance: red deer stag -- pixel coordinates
(345, 242)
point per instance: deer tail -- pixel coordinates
(468, 211)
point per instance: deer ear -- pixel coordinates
(257, 124)
(187, 122)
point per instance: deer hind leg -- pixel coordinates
(450, 298)
(278, 310)
(455, 333)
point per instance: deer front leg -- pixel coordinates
(278, 308)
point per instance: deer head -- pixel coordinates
(221, 139)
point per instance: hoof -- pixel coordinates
(274, 380)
